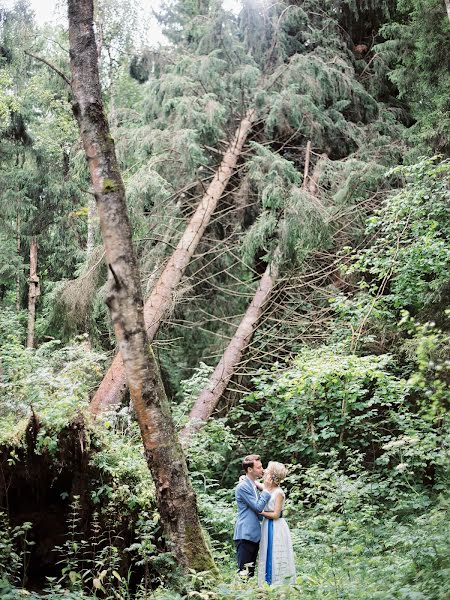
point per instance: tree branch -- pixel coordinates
(60, 73)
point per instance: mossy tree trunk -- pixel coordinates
(175, 497)
(112, 388)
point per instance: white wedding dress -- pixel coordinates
(276, 563)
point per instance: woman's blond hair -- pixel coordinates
(277, 471)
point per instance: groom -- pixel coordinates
(247, 531)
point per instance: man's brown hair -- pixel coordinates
(249, 461)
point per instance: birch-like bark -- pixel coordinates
(211, 394)
(175, 497)
(33, 293)
(91, 222)
(113, 386)
(447, 6)
(18, 248)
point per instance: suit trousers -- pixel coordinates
(247, 552)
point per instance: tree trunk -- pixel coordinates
(18, 247)
(210, 396)
(175, 497)
(447, 6)
(33, 292)
(306, 168)
(91, 222)
(113, 386)
(313, 185)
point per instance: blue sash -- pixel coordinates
(269, 552)
(269, 555)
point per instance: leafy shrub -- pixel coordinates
(408, 260)
(13, 550)
(325, 399)
(54, 381)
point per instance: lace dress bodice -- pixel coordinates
(270, 505)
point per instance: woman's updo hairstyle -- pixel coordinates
(277, 471)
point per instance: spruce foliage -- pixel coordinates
(418, 64)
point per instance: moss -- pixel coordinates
(109, 185)
(12, 430)
(195, 542)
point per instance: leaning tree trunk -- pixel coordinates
(33, 292)
(210, 396)
(113, 386)
(175, 497)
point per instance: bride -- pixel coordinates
(276, 564)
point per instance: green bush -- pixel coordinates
(53, 381)
(407, 263)
(325, 400)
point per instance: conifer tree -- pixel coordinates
(187, 105)
(310, 90)
(39, 191)
(414, 57)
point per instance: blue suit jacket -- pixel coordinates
(247, 524)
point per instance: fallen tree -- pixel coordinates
(209, 398)
(113, 387)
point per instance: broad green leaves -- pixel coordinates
(411, 233)
(327, 400)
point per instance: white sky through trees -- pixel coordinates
(48, 11)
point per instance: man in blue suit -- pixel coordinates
(247, 532)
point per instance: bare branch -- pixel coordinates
(43, 60)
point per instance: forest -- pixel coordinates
(233, 242)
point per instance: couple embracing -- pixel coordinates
(263, 502)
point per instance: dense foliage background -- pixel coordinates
(347, 377)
